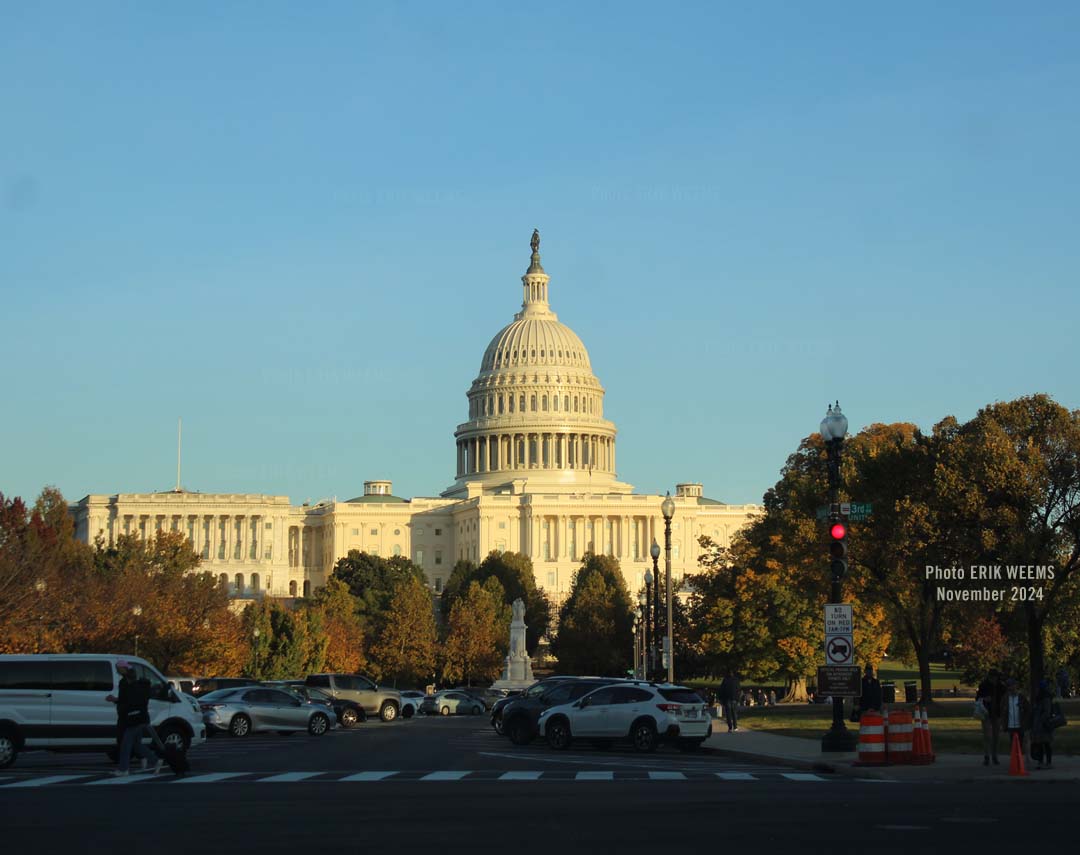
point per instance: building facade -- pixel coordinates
(535, 472)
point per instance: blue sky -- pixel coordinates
(298, 226)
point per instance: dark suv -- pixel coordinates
(536, 689)
(519, 718)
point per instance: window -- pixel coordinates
(521, 404)
(502, 524)
(438, 584)
(555, 402)
(356, 532)
(396, 550)
(307, 588)
(561, 694)
(438, 556)
(533, 402)
(268, 526)
(223, 580)
(255, 581)
(566, 403)
(374, 532)
(674, 550)
(159, 689)
(77, 675)
(544, 403)
(292, 588)
(552, 576)
(579, 690)
(239, 582)
(420, 557)
(28, 674)
(629, 695)
(318, 681)
(602, 697)
(438, 532)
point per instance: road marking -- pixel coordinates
(367, 776)
(123, 779)
(735, 776)
(667, 776)
(286, 777)
(209, 778)
(44, 782)
(802, 776)
(520, 776)
(594, 776)
(445, 776)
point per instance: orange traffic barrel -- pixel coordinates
(871, 740)
(899, 737)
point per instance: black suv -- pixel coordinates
(535, 690)
(519, 719)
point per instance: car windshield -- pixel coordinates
(317, 695)
(537, 689)
(220, 694)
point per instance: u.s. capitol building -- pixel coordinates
(535, 473)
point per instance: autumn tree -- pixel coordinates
(478, 634)
(372, 579)
(344, 634)
(596, 622)
(404, 645)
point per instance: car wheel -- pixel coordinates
(558, 734)
(477, 710)
(240, 725)
(9, 749)
(349, 717)
(388, 711)
(319, 724)
(497, 723)
(408, 711)
(643, 735)
(444, 711)
(174, 737)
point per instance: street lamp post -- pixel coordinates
(255, 634)
(136, 612)
(667, 508)
(833, 430)
(649, 641)
(40, 586)
(654, 551)
(643, 613)
(636, 648)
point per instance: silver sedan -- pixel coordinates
(251, 709)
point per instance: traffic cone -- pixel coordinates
(920, 756)
(1016, 759)
(928, 743)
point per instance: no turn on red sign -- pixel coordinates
(839, 638)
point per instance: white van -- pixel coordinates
(56, 702)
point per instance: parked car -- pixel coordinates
(535, 690)
(375, 700)
(410, 702)
(348, 713)
(521, 716)
(185, 685)
(452, 702)
(205, 685)
(57, 702)
(645, 714)
(252, 709)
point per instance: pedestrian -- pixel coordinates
(870, 694)
(1064, 689)
(729, 697)
(1042, 735)
(991, 694)
(772, 697)
(132, 718)
(1016, 712)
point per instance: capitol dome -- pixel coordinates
(536, 408)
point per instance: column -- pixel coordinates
(564, 552)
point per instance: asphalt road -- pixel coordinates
(453, 785)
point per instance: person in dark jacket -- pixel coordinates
(870, 695)
(729, 697)
(991, 694)
(132, 717)
(1042, 735)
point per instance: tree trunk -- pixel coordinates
(922, 653)
(795, 691)
(1036, 650)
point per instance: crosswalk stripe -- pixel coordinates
(520, 776)
(368, 776)
(125, 779)
(286, 777)
(667, 776)
(209, 778)
(802, 776)
(445, 776)
(735, 776)
(44, 782)
(594, 776)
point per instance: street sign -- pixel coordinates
(838, 620)
(839, 650)
(854, 511)
(839, 681)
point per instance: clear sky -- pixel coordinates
(298, 225)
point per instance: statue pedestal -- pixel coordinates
(517, 670)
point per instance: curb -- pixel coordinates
(794, 762)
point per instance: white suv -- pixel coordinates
(644, 714)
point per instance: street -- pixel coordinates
(453, 783)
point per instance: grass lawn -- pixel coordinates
(940, 676)
(952, 728)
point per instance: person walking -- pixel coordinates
(1016, 712)
(870, 693)
(132, 718)
(991, 694)
(729, 696)
(1042, 735)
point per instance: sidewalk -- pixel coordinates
(807, 754)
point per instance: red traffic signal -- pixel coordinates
(838, 531)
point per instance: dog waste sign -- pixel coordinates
(839, 640)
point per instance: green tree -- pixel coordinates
(372, 579)
(477, 634)
(596, 622)
(343, 631)
(405, 645)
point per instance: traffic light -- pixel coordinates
(838, 550)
